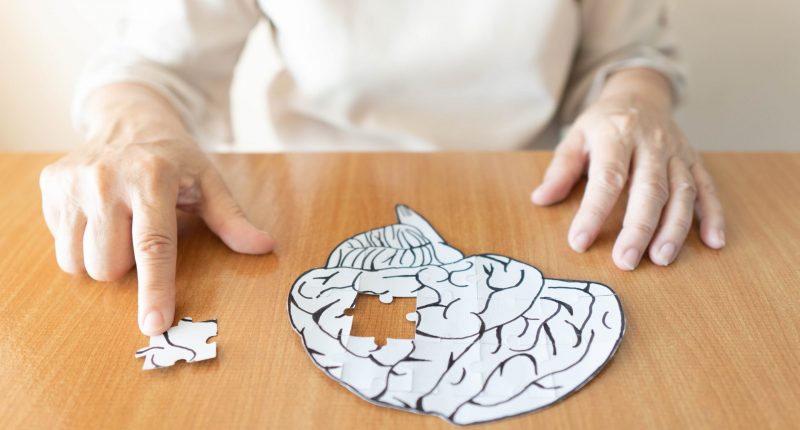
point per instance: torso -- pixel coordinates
(458, 74)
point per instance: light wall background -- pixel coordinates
(743, 57)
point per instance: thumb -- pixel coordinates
(227, 220)
(564, 170)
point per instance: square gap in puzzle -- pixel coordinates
(372, 317)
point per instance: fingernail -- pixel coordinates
(720, 238)
(665, 254)
(153, 322)
(630, 259)
(580, 242)
(537, 194)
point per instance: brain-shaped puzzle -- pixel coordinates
(494, 338)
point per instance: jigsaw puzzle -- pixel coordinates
(494, 338)
(186, 341)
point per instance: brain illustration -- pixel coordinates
(494, 338)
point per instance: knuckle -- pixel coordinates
(643, 227)
(657, 151)
(657, 142)
(708, 189)
(235, 211)
(682, 223)
(55, 177)
(658, 134)
(153, 169)
(654, 190)
(101, 180)
(155, 246)
(612, 176)
(160, 292)
(594, 212)
(686, 187)
(654, 158)
(99, 171)
(626, 121)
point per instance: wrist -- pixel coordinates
(638, 88)
(128, 113)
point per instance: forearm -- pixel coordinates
(639, 87)
(130, 112)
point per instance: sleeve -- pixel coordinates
(186, 50)
(620, 34)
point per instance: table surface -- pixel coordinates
(712, 341)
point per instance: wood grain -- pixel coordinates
(713, 341)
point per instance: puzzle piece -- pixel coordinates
(186, 341)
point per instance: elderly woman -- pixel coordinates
(360, 74)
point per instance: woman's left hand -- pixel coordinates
(628, 137)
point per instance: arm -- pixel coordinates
(626, 136)
(113, 202)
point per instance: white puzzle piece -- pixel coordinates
(494, 338)
(186, 341)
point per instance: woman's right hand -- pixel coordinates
(112, 203)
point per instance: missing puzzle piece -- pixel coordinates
(186, 341)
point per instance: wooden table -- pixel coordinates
(712, 341)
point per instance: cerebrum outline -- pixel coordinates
(494, 338)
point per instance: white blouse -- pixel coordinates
(390, 75)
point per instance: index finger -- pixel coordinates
(155, 242)
(609, 163)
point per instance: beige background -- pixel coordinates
(743, 57)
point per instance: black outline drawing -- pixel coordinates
(183, 342)
(494, 338)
